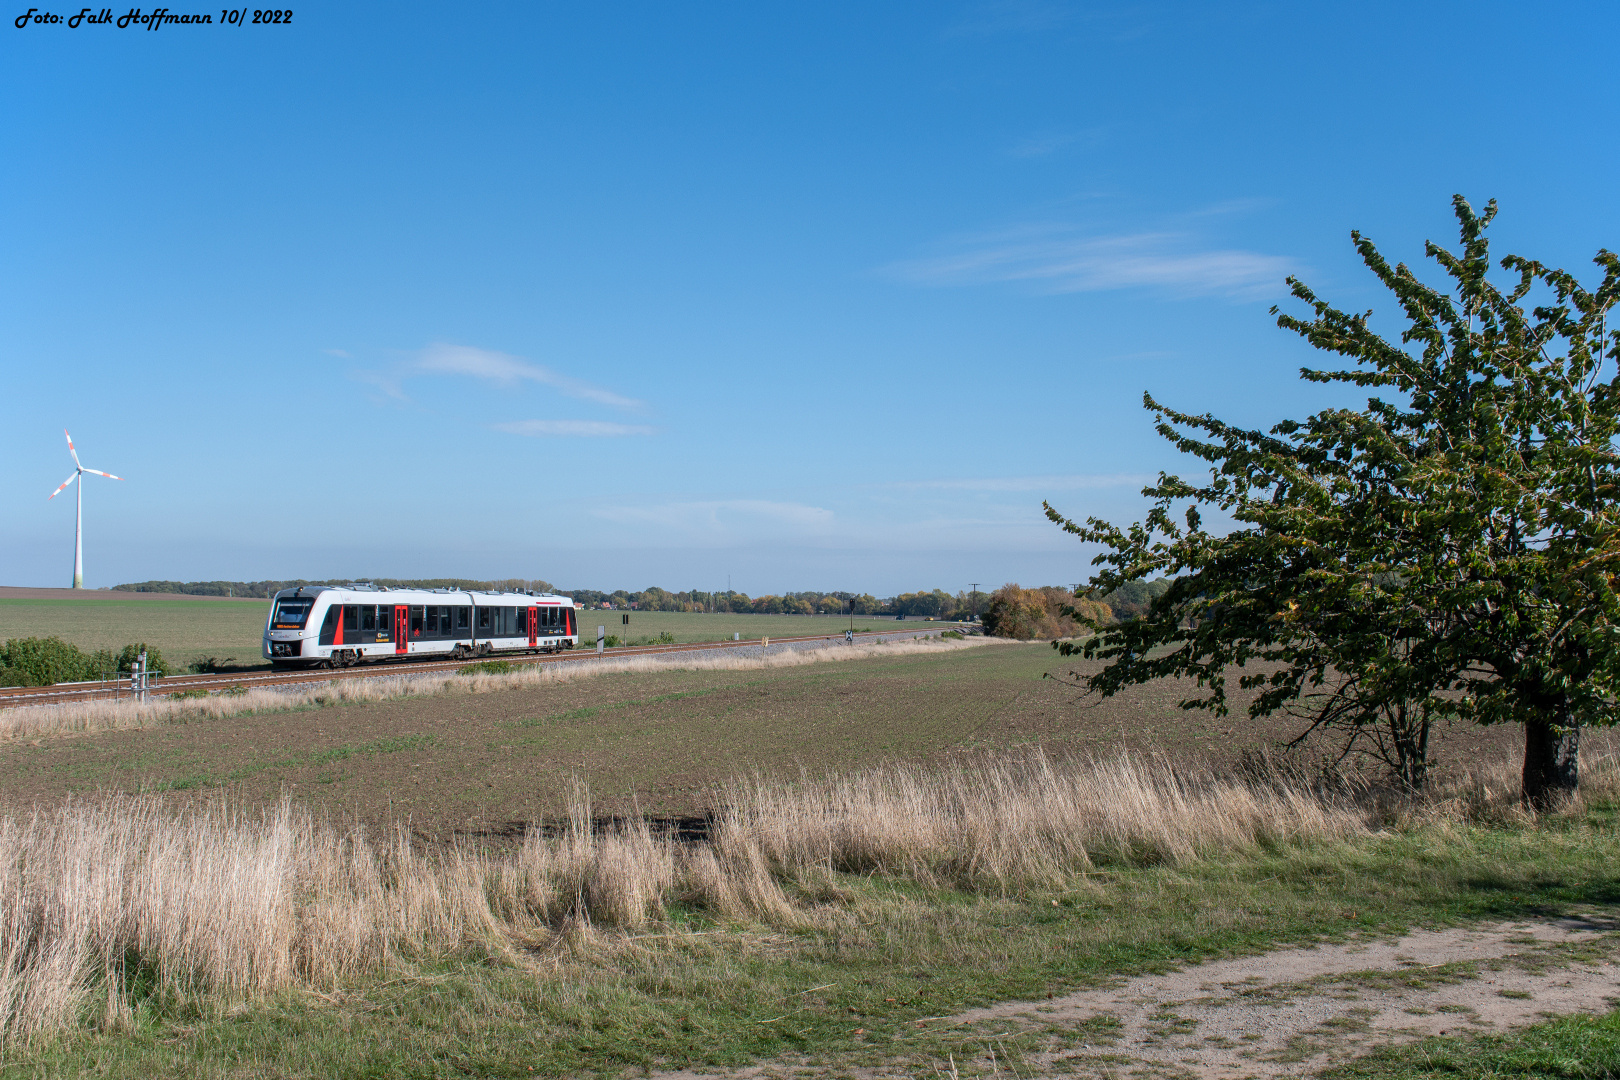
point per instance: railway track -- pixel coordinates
(118, 689)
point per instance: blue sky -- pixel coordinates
(813, 296)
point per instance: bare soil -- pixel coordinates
(1286, 1013)
(484, 765)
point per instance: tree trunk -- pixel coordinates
(1551, 760)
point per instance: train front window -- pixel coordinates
(291, 614)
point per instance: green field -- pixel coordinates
(183, 629)
(188, 629)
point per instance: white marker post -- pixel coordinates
(601, 638)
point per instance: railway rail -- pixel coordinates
(118, 689)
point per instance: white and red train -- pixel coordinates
(326, 626)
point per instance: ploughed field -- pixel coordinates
(187, 629)
(661, 742)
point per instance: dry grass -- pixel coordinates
(1488, 792)
(89, 716)
(1029, 821)
(103, 905)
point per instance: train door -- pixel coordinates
(402, 629)
(534, 629)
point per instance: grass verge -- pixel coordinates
(280, 948)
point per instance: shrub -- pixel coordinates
(208, 665)
(1026, 614)
(45, 661)
(613, 641)
(155, 664)
(487, 667)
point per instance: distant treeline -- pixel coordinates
(1009, 611)
(938, 603)
(266, 589)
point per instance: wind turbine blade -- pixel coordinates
(72, 451)
(108, 475)
(65, 483)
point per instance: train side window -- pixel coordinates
(461, 617)
(483, 618)
(446, 627)
(432, 620)
(551, 616)
(351, 619)
(368, 618)
(416, 620)
(514, 626)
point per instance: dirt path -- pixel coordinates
(1287, 1013)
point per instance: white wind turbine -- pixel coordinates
(78, 520)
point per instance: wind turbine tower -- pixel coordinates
(78, 519)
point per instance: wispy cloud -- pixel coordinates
(573, 428)
(336, 352)
(1062, 259)
(498, 367)
(1076, 482)
(387, 384)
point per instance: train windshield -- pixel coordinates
(290, 614)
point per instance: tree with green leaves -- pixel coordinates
(1448, 552)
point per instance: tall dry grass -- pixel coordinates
(1013, 823)
(103, 905)
(1489, 791)
(103, 902)
(102, 715)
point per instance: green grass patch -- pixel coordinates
(380, 746)
(488, 667)
(1569, 1048)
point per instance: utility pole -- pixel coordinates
(975, 585)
